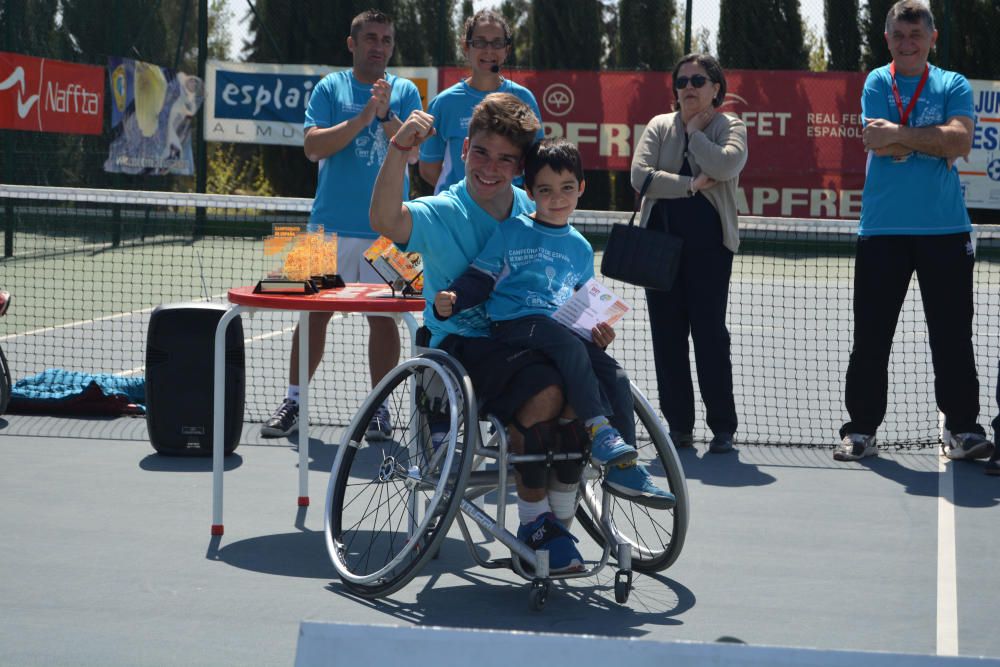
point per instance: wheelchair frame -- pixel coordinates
(434, 485)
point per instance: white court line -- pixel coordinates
(97, 319)
(947, 584)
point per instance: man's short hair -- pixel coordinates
(558, 154)
(910, 11)
(486, 16)
(506, 116)
(368, 16)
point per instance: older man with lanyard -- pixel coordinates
(918, 121)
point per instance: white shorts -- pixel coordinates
(351, 264)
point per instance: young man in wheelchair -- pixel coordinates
(449, 230)
(529, 268)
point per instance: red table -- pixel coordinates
(353, 298)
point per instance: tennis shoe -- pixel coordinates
(967, 446)
(284, 421)
(5, 299)
(607, 447)
(855, 446)
(380, 427)
(633, 482)
(682, 440)
(546, 532)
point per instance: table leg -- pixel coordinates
(219, 414)
(304, 408)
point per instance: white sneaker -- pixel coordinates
(855, 446)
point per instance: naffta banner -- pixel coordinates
(151, 113)
(266, 104)
(45, 95)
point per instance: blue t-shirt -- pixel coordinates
(452, 111)
(918, 196)
(346, 178)
(449, 231)
(537, 267)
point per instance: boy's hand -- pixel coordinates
(443, 302)
(602, 334)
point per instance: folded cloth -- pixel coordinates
(60, 391)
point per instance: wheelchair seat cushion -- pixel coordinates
(503, 376)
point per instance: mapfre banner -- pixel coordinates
(44, 95)
(804, 129)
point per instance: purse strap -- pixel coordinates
(642, 192)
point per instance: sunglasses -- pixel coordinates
(482, 43)
(681, 82)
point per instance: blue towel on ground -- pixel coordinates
(60, 391)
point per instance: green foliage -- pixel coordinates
(816, 48)
(647, 38)
(237, 169)
(876, 52)
(566, 34)
(843, 34)
(518, 14)
(761, 34)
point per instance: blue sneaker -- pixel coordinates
(546, 532)
(607, 447)
(633, 482)
(380, 427)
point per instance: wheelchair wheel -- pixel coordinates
(390, 503)
(5, 383)
(656, 536)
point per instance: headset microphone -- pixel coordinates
(495, 69)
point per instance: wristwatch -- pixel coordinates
(389, 115)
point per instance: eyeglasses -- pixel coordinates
(681, 82)
(482, 43)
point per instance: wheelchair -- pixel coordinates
(390, 504)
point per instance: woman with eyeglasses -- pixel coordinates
(486, 45)
(695, 155)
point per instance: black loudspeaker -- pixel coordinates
(179, 372)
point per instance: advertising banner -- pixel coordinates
(259, 103)
(151, 113)
(804, 129)
(981, 173)
(45, 95)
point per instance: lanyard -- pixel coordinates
(905, 115)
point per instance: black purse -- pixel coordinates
(641, 256)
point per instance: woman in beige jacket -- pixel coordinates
(695, 155)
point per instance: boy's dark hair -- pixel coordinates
(368, 16)
(711, 67)
(507, 116)
(910, 11)
(558, 154)
(486, 16)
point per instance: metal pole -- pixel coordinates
(687, 28)
(8, 144)
(201, 152)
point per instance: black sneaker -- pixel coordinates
(960, 446)
(682, 440)
(284, 421)
(380, 426)
(855, 446)
(722, 443)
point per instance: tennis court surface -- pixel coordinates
(107, 557)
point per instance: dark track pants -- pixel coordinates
(882, 271)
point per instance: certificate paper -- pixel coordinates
(591, 304)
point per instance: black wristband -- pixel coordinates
(388, 116)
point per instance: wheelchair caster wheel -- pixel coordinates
(623, 586)
(539, 594)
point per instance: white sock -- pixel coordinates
(562, 499)
(293, 393)
(528, 511)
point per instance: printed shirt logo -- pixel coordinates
(23, 105)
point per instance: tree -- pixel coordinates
(761, 34)
(843, 34)
(566, 34)
(876, 52)
(816, 48)
(518, 14)
(647, 38)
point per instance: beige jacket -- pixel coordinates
(720, 150)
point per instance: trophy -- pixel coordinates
(304, 262)
(402, 272)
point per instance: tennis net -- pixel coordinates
(87, 267)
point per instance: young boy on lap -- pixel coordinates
(527, 270)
